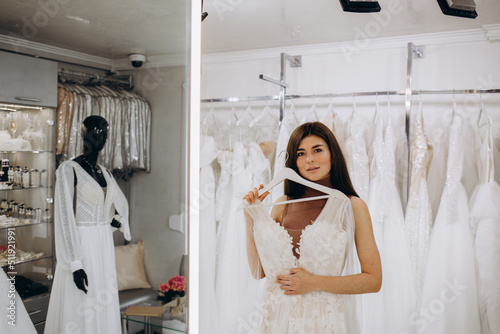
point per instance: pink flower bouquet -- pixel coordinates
(175, 287)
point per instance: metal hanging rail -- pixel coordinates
(123, 80)
(413, 52)
(332, 95)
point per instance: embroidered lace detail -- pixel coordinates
(418, 219)
(92, 224)
(358, 164)
(91, 207)
(454, 166)
(322, 252)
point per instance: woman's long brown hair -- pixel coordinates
(339, 175)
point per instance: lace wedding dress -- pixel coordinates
(389, 310)
(356, 156)
(450, 295)
(235, 289)
(485, 219)
(418, 219)
(208, 153)
(326, 248)
(85, 241)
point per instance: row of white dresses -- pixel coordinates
(228, 290)
(422, 260)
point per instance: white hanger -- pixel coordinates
(267, 111)
(289, 174)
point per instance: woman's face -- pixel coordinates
(313, 158)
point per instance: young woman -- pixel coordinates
(310, 251)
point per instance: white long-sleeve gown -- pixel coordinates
(84, 240)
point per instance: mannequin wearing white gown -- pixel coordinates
(485, 219)
(84, 295)
(450, 297)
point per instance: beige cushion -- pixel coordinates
(130, 267)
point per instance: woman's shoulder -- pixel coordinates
(357, 203)
(277, 211)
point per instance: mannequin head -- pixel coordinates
(95, 132)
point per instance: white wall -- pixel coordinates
(455, 60)
(157, 195)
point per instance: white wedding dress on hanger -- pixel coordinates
(356, 156)
(485, 220)
(389, 310)
(235, 288)
(418, 219)
(450, 296)
(208, 153)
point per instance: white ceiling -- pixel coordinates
(114, 28)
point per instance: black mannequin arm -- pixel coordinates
(116, 223)
(80, 279)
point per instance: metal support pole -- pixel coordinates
(282, 88)
(418, 52)
(408, 95)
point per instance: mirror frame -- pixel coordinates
(193, 218)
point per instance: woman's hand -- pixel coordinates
(254, 194)
(298, 282)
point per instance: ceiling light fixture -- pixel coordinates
(360, 6)
(460, 8)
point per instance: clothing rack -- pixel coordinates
(413, 52)
(122, 81)
(409, 95)
(235, 99)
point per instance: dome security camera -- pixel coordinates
(137, 59)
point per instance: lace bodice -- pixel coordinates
(85, 205)
(421, 156)
(324, 248)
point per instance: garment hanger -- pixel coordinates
(313, 108)
(482, 111)
(331, 106)
(289, 174)
(454, 106)
(267, 111)
(247, 115)
(292, 111)
(212, 117)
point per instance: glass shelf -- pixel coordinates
(31, 223)
(23, 188)
(41, 257)
(30, 151)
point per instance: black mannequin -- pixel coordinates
(95, 134)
